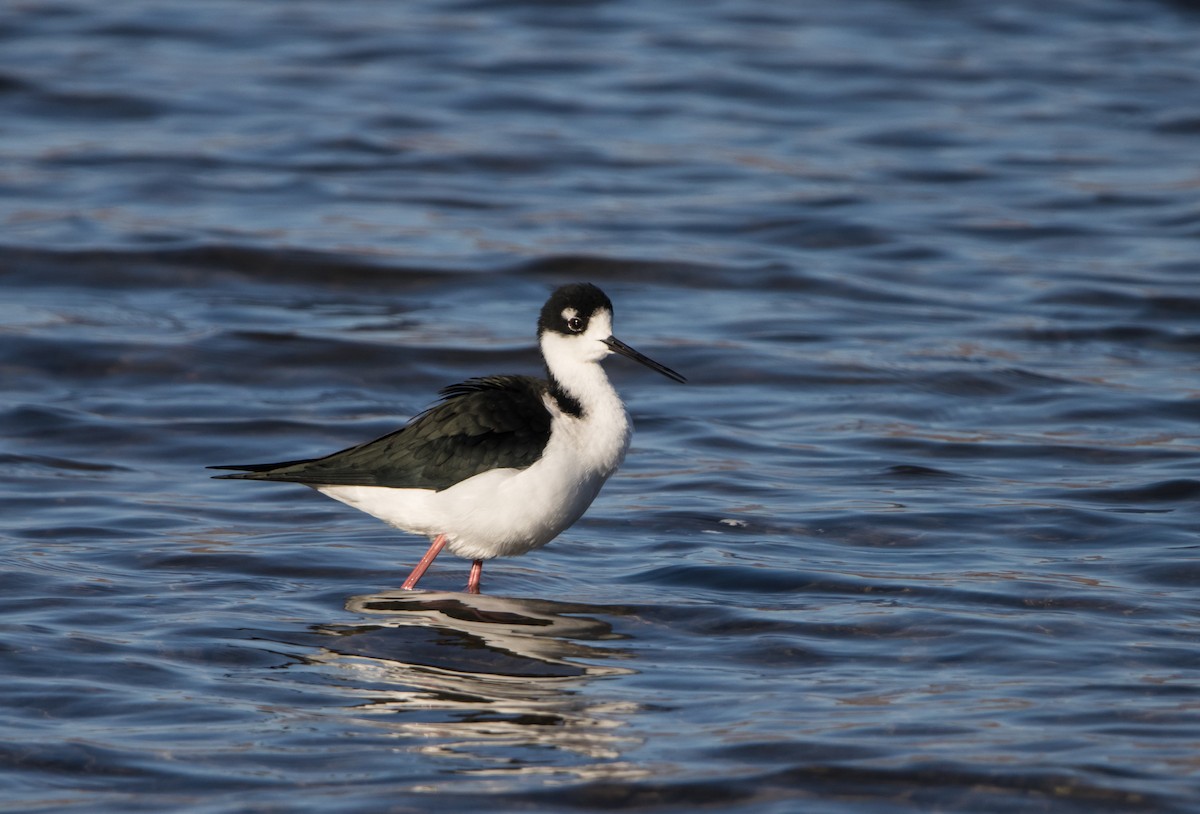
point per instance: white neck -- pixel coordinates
(602, 431)
(580, 375)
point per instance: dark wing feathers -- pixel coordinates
(480, 424)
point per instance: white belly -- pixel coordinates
(502, 512)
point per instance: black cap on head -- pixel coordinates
(583, 299)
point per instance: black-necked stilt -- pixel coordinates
(503, 464)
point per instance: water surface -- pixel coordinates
(919, 534)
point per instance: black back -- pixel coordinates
(481, 424)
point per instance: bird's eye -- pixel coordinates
(575, 324)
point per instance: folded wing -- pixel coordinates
(480, 424)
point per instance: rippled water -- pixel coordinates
(920, 533)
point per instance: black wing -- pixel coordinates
(480, 424)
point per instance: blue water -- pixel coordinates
(920, 533)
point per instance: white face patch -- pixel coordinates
(562, 351)
(600, 325)
(569, 313)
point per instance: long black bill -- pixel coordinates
(620, 347)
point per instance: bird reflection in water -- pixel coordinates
(497, 683)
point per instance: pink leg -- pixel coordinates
(476, 574)
(435, 548)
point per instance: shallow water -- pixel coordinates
(919, 534)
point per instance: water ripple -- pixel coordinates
(919, 534)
